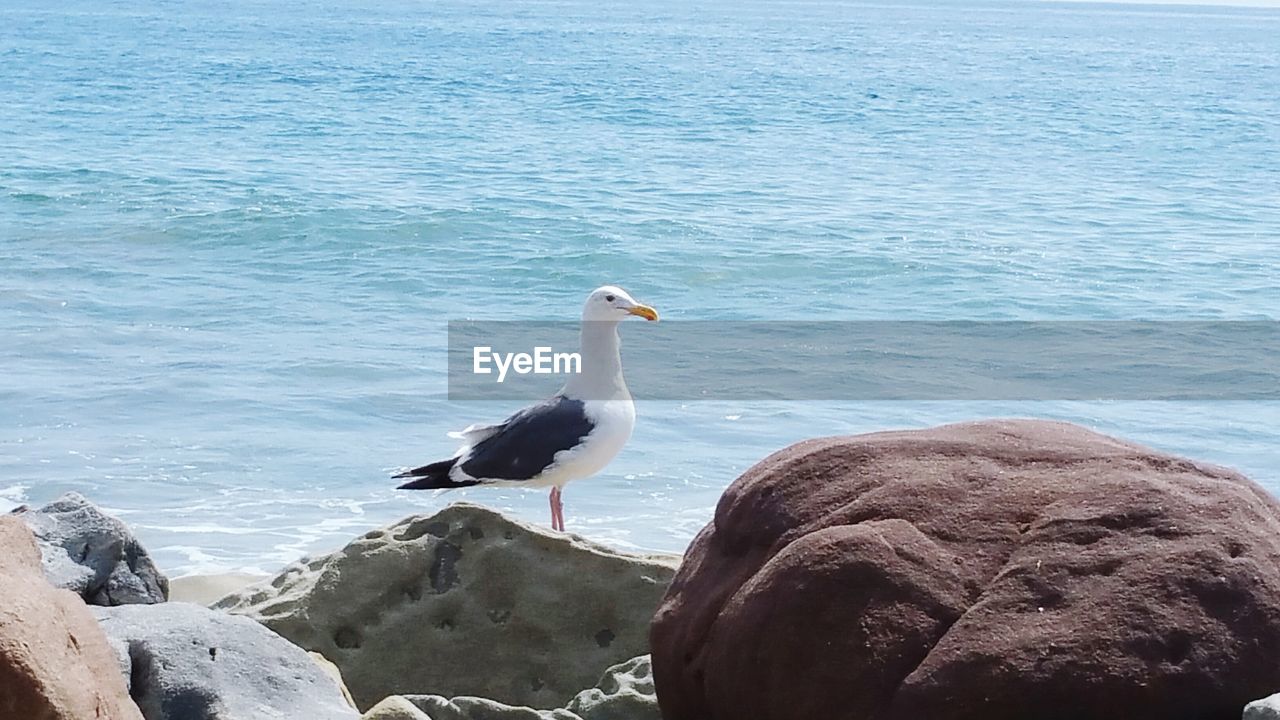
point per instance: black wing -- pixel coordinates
(528, 441)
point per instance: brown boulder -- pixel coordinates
(55, 663)
(1003, 570)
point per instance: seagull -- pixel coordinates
(569, 436)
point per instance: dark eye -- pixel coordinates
(610, 298)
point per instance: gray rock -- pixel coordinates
(396, 707)
(93, 554)
(466, 603)
(1268, 708)
(185, 662)
(624, 693)
(473, 708)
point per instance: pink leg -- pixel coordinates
(552, 499)
(560, 509)
(557, 510)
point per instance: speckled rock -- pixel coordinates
(186, 662)
(466, 602)
(474, 708)
(624, 693)
(55, 662)
(90, 553)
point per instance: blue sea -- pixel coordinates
(232, 232)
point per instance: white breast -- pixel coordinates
(614, 420)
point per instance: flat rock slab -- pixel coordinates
(466, 602)
(997, 570)
(186, 662)
(93, 554)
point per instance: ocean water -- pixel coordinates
(232, 232)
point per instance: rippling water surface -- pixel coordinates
(232, 232)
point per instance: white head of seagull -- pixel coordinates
(601, 376)
(613, 304)
(569, 436)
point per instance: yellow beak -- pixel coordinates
(645, 312)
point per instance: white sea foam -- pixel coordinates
(245, 390)
(12, 496)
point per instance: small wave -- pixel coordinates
(12, 497)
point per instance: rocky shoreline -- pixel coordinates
(1017, 570)
(396, 624)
